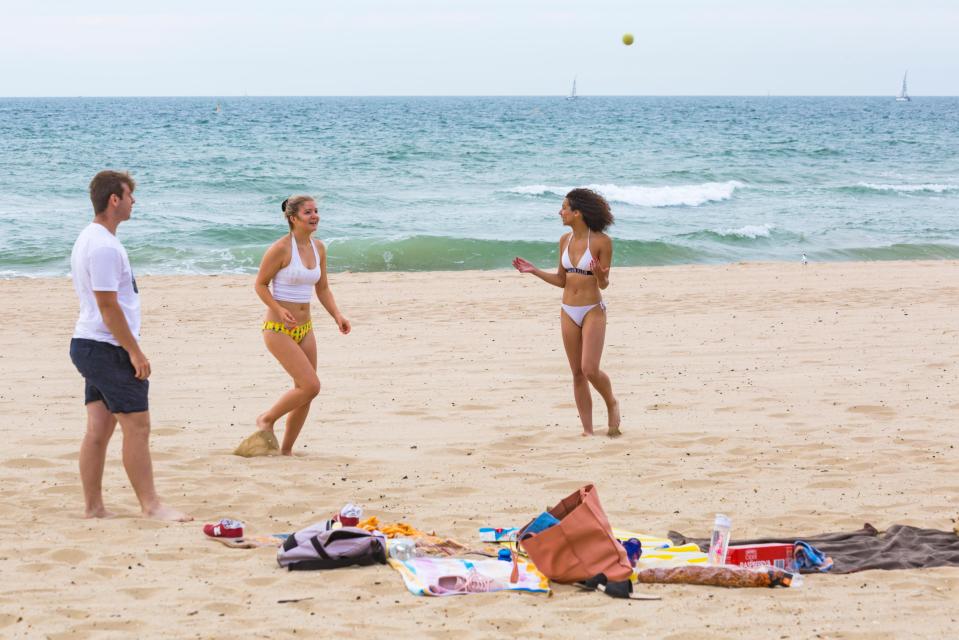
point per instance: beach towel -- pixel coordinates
(423, 575)
(394, 530)
(657, 551)
(898, 547)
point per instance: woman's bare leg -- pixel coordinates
(306, 385)
(296, 418)
(573, 342)
(594, 336)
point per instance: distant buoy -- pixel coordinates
(627, 39)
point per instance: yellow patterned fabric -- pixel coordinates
(297, 333)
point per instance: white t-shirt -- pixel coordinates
(100, 263)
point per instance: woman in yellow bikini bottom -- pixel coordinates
(292, 272)
(297, 333)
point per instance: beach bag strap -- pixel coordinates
(315, 541)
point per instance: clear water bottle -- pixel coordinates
(719, 542)
(403, 549)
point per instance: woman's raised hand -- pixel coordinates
(597, 267)
(523, 266)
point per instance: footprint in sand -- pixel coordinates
(476, 407)
(260, 581)
(70, 556)
(73, 614)
(29, 463)
(141, 593)
(873, 411)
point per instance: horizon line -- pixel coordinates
(494, 95)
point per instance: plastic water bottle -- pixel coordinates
(719, 542)
(403, 549)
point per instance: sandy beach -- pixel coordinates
(798, 400)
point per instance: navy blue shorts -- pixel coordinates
(109, 376)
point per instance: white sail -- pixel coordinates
(572, 93)
(903, 94)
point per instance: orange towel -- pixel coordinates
(394, 530)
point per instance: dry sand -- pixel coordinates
(797, 400)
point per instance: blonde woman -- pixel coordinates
(292, 270)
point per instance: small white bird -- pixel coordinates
(804, 261)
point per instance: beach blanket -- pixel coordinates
(657, 551)
(661, 552)
(422, 575)
(898, 547)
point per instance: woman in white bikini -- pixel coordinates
(296, 266)
(583, 314)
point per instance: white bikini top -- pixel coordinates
(294, 282)
(583, 266)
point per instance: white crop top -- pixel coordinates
(294, 282)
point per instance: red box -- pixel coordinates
(773, 554)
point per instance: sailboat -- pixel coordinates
(218, 109)
(903, 96)
(572, 93)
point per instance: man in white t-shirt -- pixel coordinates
(105, 351)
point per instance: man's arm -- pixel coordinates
(117, 324)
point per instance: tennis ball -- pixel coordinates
(627, 39)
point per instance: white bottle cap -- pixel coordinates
(722, 520)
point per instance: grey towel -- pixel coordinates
(898, 547)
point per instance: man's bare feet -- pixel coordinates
(586, 433)
(98, 513)
(163, 512)
(614, 432)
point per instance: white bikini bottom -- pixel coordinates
(576, 314)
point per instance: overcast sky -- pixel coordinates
(478, 47)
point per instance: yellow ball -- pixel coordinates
(627, 39)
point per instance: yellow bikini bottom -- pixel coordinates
(297, 333)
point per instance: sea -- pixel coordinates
(434, 183)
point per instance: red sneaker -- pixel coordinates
(225, 528)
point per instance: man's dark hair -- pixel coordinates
(108, 183)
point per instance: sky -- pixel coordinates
(477, 47)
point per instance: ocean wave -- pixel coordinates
(909, 188)
(745, 236)
(751, 231)
(440, 253)
(689, 195)
(899, 251)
